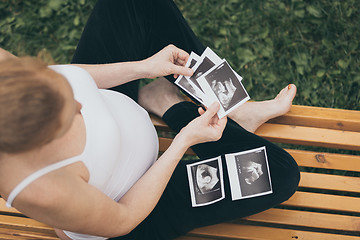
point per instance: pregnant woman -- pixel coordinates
(83, 159)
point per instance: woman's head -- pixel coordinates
(36, 105)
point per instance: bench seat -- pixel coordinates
(326, 205)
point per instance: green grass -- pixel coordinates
(314, 44)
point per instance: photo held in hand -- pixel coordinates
(213, 81)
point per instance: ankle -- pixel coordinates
(158, 96)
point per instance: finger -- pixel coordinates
(222, 122)
(181, 55)
(201, 110)
(182, 70)
(212, 110)
(180, 62)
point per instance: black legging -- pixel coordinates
(128, 30)
(131, 30)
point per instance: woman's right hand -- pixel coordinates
(205, 128)
(169, 60)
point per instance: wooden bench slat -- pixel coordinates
(340, 119)
(193, 238)
(238, 231)
(159, 123)
(25, 224)
(310, 136)
(9, 236)
(329, 182)
(8, 233)
(311, 200)
(308, 219)
(5, 209)
(277, 216)
(164, 144)
(15, 236)
(324, 202)
(304, 158)
(308, 133)
(347, 120)
(326, 160)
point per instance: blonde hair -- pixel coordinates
(30, 107)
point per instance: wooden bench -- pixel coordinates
(326, 206)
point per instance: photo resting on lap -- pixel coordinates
(206, 182)
(249, 173)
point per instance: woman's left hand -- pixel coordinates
(170, 60)
(205, 128)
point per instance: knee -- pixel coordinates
(291, 179)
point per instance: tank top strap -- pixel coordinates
(39, 173)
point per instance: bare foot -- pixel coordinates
(252, 115)
(158, 96)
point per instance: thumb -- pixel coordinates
(201, 110)
(182, 70)
(212, 110)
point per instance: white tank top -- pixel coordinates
(121, 141)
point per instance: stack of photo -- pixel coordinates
(213, 80)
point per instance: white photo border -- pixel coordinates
(197, 58)
(191, 181)
(233, 174)
(211, 97)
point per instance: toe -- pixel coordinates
(292, 90)
(282, 92)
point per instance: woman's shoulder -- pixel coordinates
(51, 192)
(82, 83)
(68, 68)
(73, 73)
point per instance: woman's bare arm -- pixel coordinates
(114, 74)
(170, 60)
